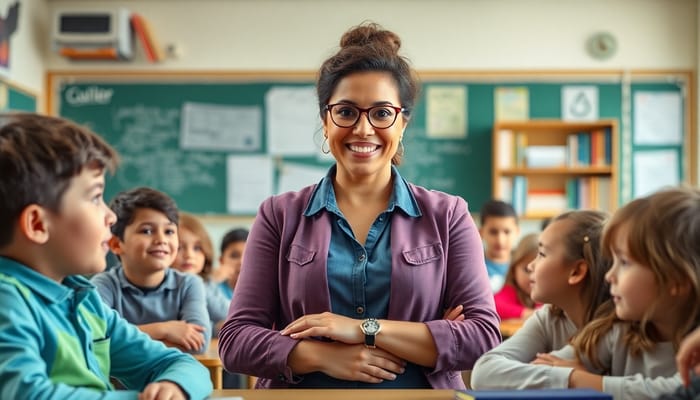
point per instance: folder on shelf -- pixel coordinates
(105, 53)
(147, 39)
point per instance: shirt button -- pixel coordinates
(362, 257)
(360, 310)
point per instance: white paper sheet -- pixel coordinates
(292, 119)
(654, 169)
(220, 128)
(579, 103)
(446, 112)
(657, 118)
(512, 104)
(249, 182)
(293, 176)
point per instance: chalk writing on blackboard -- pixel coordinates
(149, 157)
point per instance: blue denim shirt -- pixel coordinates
(359, 277)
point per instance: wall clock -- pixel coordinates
(601, 45)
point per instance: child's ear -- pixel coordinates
(578, 272)
(34, 224)
(679, 290)
(115, 245)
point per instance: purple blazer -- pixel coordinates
(437, 263)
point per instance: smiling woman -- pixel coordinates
(380, 276)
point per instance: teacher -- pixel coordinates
(346, 283)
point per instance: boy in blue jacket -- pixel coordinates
(57, 339)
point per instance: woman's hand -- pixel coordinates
(553, 361)
(349, 362)
(454, 314)
(327, 324)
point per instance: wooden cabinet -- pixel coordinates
(544, 167)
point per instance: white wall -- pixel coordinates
(437, 34)
(28, 46)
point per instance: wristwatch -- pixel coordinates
(370, 327)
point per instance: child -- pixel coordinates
(688, 357)
(513, 300)
(57, 339)
(166, 304)
(654, 282)
(499, 230)
(195, 256)
(568, 273)
(232, 246)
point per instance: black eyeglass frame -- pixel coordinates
(366, 111)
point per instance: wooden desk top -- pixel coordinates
(210, 358)
(510, 326)
(336, 394)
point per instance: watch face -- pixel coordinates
(370, 326)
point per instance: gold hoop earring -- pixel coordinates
(325, 142)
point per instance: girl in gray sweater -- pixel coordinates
(568, 274)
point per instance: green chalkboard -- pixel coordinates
(19, 99)
(142, 118)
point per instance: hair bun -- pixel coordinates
(371, 34)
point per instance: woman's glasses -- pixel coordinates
(346, 115)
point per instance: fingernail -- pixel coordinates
(393, 377)
(403, 370)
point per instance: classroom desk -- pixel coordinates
(211, 360)
(337, 394)
(510, 326)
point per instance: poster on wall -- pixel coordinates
(9, 16)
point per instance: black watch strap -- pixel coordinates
(369, 340)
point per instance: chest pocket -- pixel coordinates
(299, 255)
(101, 350)
(423, 255)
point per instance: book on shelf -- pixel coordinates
(506, 146)
(545, 156)
(531, 394)
(520, 146)
(505, 189)
(598, 147)
(546, 201)
(584, 148)
(589, 192)
(607, 143)
(572, 151)
(519, 194)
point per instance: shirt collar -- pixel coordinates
(324, 196)
(169, 281)
(43, 286)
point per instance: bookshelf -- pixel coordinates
(544, 167)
